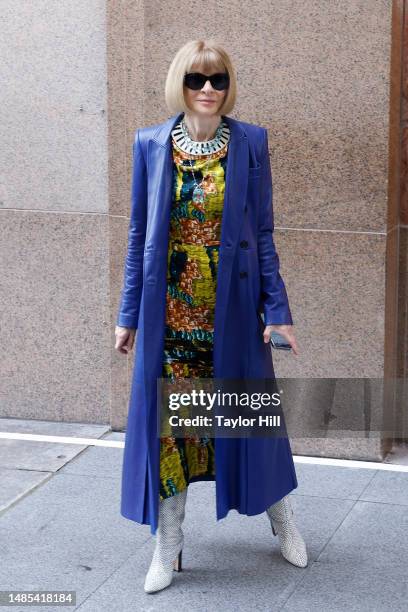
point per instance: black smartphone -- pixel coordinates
(277, 341)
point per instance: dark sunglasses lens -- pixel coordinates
(194, 80)
(220, 80)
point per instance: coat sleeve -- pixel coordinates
(133, 274)
(274, 297)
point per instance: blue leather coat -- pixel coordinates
(251, 473)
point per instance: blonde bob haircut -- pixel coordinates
(203, 56)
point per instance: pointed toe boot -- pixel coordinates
(292, 545)
(169, 543)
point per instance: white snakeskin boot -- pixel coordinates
(292, 545)
(169, 543)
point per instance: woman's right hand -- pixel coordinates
(125, 338)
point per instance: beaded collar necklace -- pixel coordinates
(200, 147)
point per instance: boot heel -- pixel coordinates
(273, 529)
(177, 562)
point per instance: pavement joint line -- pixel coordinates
(61, 439)
(349, 463)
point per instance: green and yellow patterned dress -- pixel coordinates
(194, 240)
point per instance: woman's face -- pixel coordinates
(205, 101)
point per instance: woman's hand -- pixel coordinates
(284, 330)
(125, 337)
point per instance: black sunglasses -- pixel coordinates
(196, 80)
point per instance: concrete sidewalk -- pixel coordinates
(61, 529)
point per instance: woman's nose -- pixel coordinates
(207, 86)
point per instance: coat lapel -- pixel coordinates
(161, 175)
(160, 182)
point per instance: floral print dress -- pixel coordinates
(194, 240)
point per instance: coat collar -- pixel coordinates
(160, 186)
(162, 134)
(160, 167)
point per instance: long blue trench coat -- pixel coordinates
(251, 473)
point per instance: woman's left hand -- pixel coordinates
(284, 330)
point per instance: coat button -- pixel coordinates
(243, 274)
(243, 244)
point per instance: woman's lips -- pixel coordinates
(207, 101)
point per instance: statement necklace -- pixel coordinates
(184, 142)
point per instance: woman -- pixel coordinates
(201, 265)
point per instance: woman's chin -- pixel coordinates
(205, 110)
